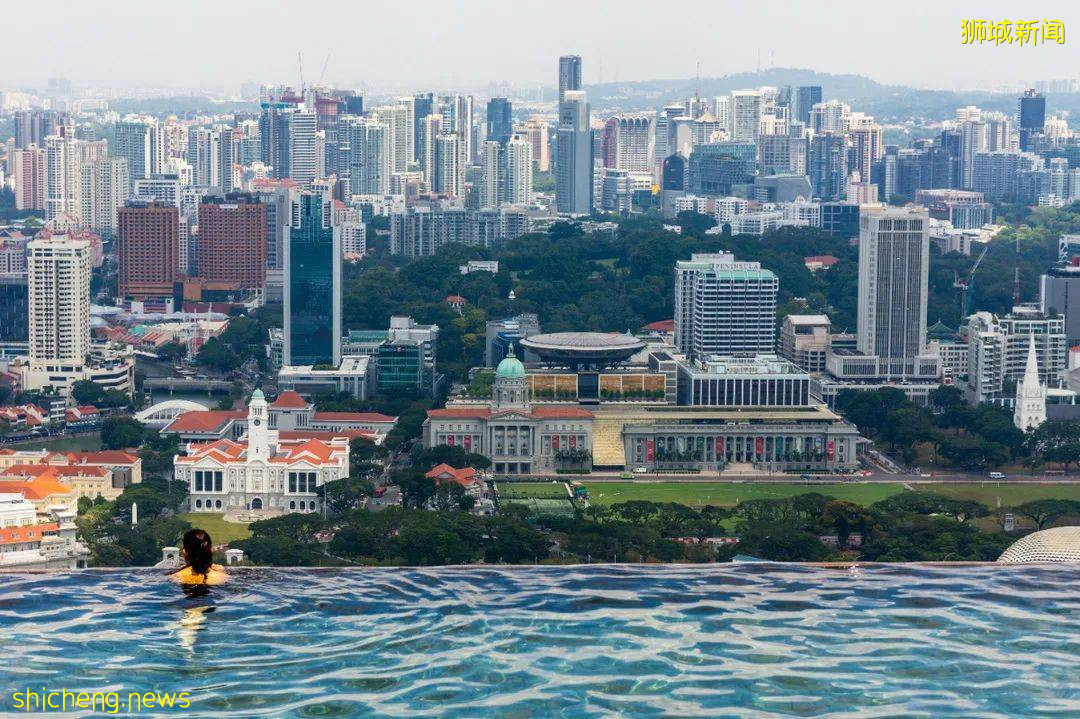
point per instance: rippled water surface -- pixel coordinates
(722, 641)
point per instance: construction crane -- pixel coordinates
(965, 284)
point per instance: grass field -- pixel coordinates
(221, 532)
(81, 443)
(540, 490)
(726, 494)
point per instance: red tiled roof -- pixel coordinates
(87, 409)
(827, 260)
(38, 470)
(660, 326)
(37, 489)
(204, 420)
(324, 435)
(31, 533)
(466, 475)
(539, 412)
(105, 456)
(454, 298)
(353, 417)
(290, 400)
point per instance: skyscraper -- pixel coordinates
(133, 143)
(28, 170)
(569, 75)
(519, 162)
(59, 271)
(449, 170)
(104, 190)
(724, 307)
(148, 234)
(312, 283)
(1030, 116)
(492, 174)
(894, 247)
(574, 158)
(746, 108)
(806, 96)
(303, 151)
(500, 120)
(233, 240)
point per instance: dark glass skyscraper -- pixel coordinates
(423, 105)
(569, 74)
(312, 283)
(500, 120)
(805, 98)
(1031, 116)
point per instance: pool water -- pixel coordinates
(744, 640)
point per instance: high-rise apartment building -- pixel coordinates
(133, 142)
(537, 131)
(894, 247)
(519, 164)
(59, 274)
(574, 158)
(28, 172)
(724, 307)
(312, 306)
(104, 190)
(491, 191)
(806, 97)
(746, 107)
(148, 234)
(304, 154)
(233, 240)
(449, 170)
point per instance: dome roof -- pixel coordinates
(258, 394)
(510, 367)
(1060, 544)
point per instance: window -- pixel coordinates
(292, 506)
(302, 482)
(198, 504)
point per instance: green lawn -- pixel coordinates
(728, 493)
(221, 532)
(724, 493)
(84, 442)
(1010, 494)
(538, 490)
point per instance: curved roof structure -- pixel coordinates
(1060, 544)
(596, 349)
(162, 413)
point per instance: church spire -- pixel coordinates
(1030, 409)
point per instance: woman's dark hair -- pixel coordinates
(199, 551)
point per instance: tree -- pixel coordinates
(515, 542)
(1056, 441)
(779, 543)
(930, 503)
(416, 489)
(1045, 511)
(343, 495)
(121, 432)
(973, 452)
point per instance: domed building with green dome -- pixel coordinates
(517, 437)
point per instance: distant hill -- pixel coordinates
(889, 103)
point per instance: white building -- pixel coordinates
(353, 240)
(745, 115)
(264, 475)
(303, 159)
(998, 349)
(59, 296)
(1030, 410)
(29, 542)
(519, 163)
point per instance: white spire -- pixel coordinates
(1030, 409)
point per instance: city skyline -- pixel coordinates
(460, 48)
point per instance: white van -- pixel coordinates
(997, 475)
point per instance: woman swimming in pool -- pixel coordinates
(199, 567)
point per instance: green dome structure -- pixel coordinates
(511, 367)
(258, 394)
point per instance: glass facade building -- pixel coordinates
(312, 283)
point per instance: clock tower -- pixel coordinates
(258, 431)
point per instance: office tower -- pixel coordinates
(831, 116)
(59, 276)
(724, 307)
(806, 97)
(312, 310)
(449, 172)
(368, 161)
(828, 166)
(615, 190)
(519, 164)
(276, 197)
(463, 127)
(574, 158)
(781, 155)
(715, 168)
(104, 190)
(746, 115)
(28, 171)
(14, 307)
(133, 143)
(631, 142)
(221, 138)
(569, 75)
(233, 240)
(202, 156)
(1030, 116)
(894, 249)
(500, 120)
(1059, 294)
(394, 120)
(664, 142)
(423, 106)
(722, 111)
(537, 131)
(492, 175)
(148, 249)
(163, 188)
(274, 136)
(303, 153)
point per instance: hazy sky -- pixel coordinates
(415, 44)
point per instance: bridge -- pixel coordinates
(184, 384)
(162, 413)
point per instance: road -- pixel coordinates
(875, 478)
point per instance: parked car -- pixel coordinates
(641, 470)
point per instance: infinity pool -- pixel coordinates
(750, 640)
